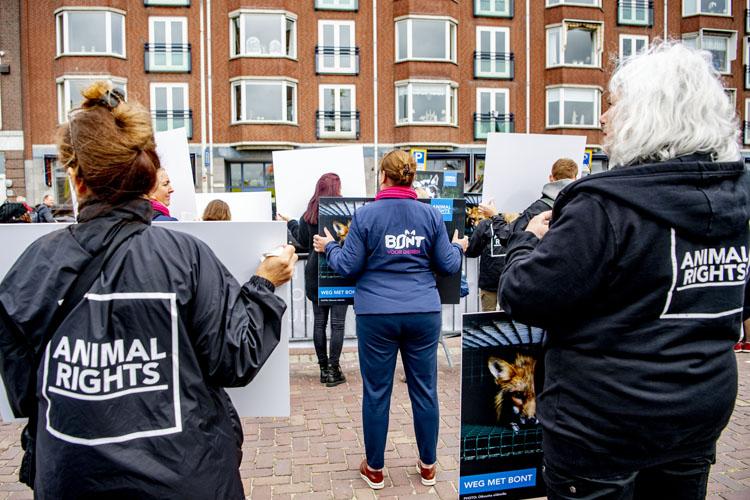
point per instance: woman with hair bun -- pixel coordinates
(393, 248)
(118, 346)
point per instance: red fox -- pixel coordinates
(515, 402)
(341, 229)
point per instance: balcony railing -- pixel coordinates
(337, 124)
(167, 58)
(336, 5)
(746, 132)
(167, 3)
(493, 8)
(500, 65)
(635, 12)
(171, 120)
(485, 123)
(337, 60)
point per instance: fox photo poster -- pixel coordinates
(336, 215)
(501, 440)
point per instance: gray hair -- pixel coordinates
(669, 102)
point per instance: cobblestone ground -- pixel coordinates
(315, 454)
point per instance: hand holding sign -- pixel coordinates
(320, 242)
(463, 242)
(278, 270)
(539, 225)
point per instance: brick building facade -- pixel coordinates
(279, 74)
(11, 99)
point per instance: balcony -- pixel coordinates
(337, 124)
(497, 65)
(635, 12)
(171, 120)
(485, 123)
(493, 8)
(167, 58)
(337, 60)
(166, 3)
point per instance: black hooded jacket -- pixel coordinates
(640, 282)
(485, 244)
(129, 390)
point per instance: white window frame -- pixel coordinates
(577, 3)
(745, 131)
(348, 5)
(451, 27)
(562, 125)
(338, 134)
(746, 61)
(284, 16)
(634, 39)
(508, 12)
(493, 49)
(151, 40)
(731, 44)
(699, 12)
(167, 3)
(283, 82)
(451, 103)
(62, 42)
(563, 27)
(338, 68)
(63, 90)
(493, 93)
(635, 4)
(732, 94)
(170, 105)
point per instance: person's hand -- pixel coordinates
(539, 225)
(320, 242)
(278, 270)
(282, 217)
(463, 242)
(488, 210)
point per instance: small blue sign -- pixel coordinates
(336, 292)
(498, 481)
(445, 205)
(586, 159)
(420, 157)
(450, 179)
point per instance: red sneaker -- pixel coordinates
(427, 474)
(739, 346)
(373, 478)
(745, 347)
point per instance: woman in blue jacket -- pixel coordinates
(394, 247)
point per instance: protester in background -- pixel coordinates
(217, 210)
(155, 423)
(640, 378)
(43, 211)
(486, 243)
(11, 213)
(393, 247)
(161, 196)
(303, 231)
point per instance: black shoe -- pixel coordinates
(335, 377)
(323, 373)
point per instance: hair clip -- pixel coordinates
(112, 98)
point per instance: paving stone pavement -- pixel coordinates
(315, 454)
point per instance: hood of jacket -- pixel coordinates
(551, 190)
(692, 194)
(99, 221)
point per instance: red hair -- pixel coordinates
(328, 185)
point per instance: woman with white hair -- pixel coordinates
(639, 275)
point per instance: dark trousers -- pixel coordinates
(320, 321)
(380, 338)
(681, 480)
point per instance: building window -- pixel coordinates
(90, 33)
(574, 44)
(631, 45)
(167, 3)
(746, 123)
(337, 117)
(426, 39)
(707, 7)
(493, 8)
(732, 96)
(573, 107)
(167, 50)
(426, 103)
(69, 90)
(250, 176)
(492, 113)
(170, 108)
(493, 58)
(584, 3)
(336, 51)
(635, 12)
(263, 34)
(336, 4)
(264, 101)
(721, 45)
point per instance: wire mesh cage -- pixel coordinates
(480, 442)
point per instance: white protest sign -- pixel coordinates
(517, 166)
(172, 148)
(268, 394)
(245, 207)
(296, 173)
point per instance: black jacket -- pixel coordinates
(130, 394)
(640, 282)
(485, 243)
(550, 192)
(303, 232)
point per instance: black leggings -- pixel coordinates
(320, 315)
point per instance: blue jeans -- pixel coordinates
(682, 479)
(380, 338)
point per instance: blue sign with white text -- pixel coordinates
(445, 205)
(485, 483)
(336, 292)
(450, 179)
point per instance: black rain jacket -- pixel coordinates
(485, 244)
(129, 390)
(640, 282)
